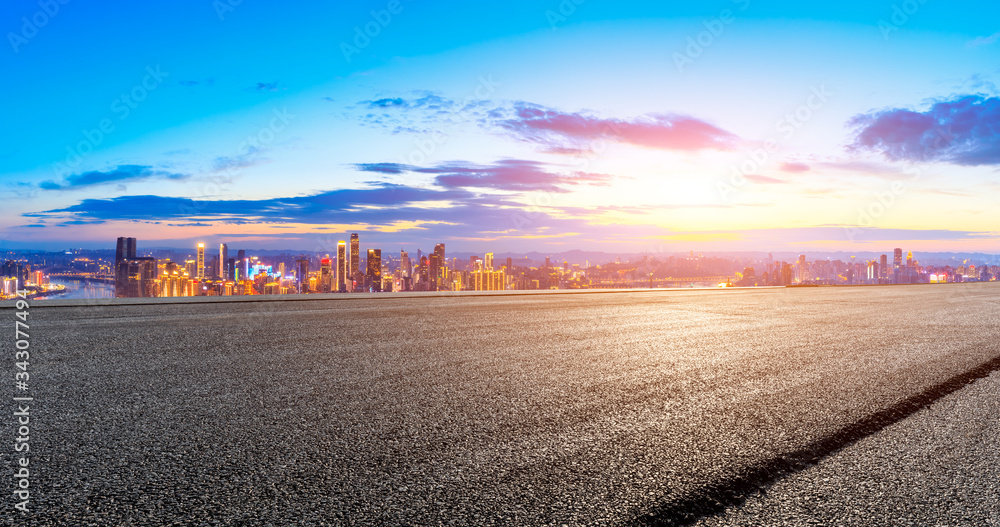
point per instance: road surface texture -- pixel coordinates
(863, 405)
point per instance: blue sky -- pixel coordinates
(503, 125)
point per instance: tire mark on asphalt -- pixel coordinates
(718, 496)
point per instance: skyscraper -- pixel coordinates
(325, 275)
(201, 261)
(439, 271)
(374, 274)
(883, 269)
(355, 255)
(302, 274)
(134, 277)
(125, 249)
(897, 265)
(241, 265)
(404, 270)
(124, 252)
(342, 267)
(223, 260)
(404, 264)
(432, 272)
(489, 261)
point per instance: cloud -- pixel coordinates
(964, 131)
(424, 214)
(267, 86)
(793, 167)
(756, 178)
(557, 130)
(426, 100)
(123, 173)
(383, 103)
(252, 157)
(325, 207)
(514, 175)
(383, 168)
(984, 41)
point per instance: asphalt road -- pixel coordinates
(939, 467)
(608, 408)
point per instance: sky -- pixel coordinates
(502, 126)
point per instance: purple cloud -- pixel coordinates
(756, 178)
(793, 167)
(120, 174)
(964, 131)
(560, 130)
(514, 175)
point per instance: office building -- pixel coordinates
(374, 274)
(355, 255)
(242, 267)
(125, 251)
(325, 275)
(201, 261)
(302, 274)
(342, 266)
(223, 260)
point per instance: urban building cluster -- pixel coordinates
(871, 272)
(350, 268)
(17, 275)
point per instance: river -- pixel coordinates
(85, 290)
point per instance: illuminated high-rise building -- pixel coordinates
(342, 266)
(125, 249)
(404, 263)
(374, 274)
(124, 252)
(355, 255)
(432, 272)
(883, 269)
(302, 274)
(201, 261)
(897, 266)
(439, 269)
(223, 260)
(325, 275)
(488, 261)
(242, 269)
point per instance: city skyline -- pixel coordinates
(743, 126)
(247, 274)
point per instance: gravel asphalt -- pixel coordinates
(611, 408)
